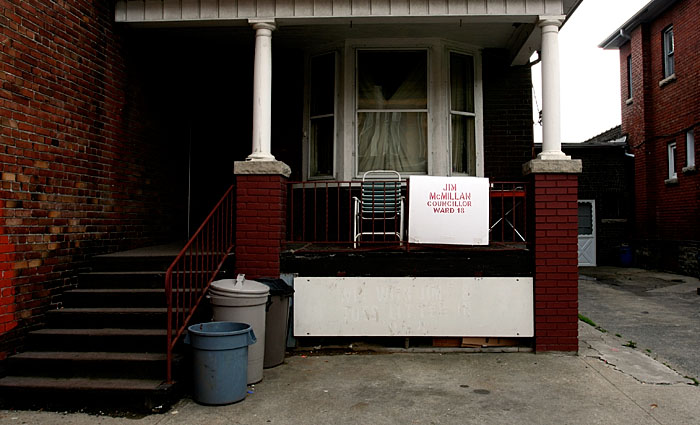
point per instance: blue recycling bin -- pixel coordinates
(220, 361)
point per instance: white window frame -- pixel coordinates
(306, 146)
(478, 127)
(668, 52)
(690, 149)
(629, 77)
(439, 163)
(671, 151)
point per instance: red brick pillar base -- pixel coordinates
(555, 185)
(261, 211)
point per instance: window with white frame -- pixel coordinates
(690, 148)
(462, 114)
(672, 161)
(629, 76)
(322, 115)
(668, 48)
(392, 110)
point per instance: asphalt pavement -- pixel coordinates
(657, 312)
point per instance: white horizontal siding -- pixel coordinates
(175, 10)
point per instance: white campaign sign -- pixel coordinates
(448, 210)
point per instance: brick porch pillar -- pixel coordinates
(555, 187)
(261, 211)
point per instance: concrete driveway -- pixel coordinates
(657, 312)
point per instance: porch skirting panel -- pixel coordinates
(414, 306)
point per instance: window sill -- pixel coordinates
(689, 170)
(629, 101)
(671, 181)
(668, 80)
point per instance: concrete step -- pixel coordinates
(122, 280)
(114, 297)
(104, 339)
(117, 297)
(94, 364)
(108, 317)
(90, 394)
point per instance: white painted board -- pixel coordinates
(413, 306)
(448, 210)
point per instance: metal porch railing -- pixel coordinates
(320, 213)
(189, 276)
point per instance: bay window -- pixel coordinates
(412, 105)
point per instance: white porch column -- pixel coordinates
(551, 119)
(262, 91)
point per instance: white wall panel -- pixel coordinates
(247, 8)
(457, 7)
(418, 7)
(190, 9)
(323, 8)
(476, 7)
(496, 7)
(413, 306)
(303, 7)
(209, 9)
(174, 10)
(153, 10)
(228, 9)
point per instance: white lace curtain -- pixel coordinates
(391, 86)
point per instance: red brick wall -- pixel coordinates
(261, 209)
(556, 262)
(508, 133)
(657, 116)
(82, 169)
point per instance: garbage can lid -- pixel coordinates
(241, 285)
(277, 286)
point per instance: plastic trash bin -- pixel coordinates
(242, 300)
(276, 321)
(220, 361)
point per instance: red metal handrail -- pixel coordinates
(189, 276)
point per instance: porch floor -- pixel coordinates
(418, 260)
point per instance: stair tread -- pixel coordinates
(125, 273)
(104, 310)
(89, 355)
(116, 291)
(101, 331)
(101, 384)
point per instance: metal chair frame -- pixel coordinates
(380, 201)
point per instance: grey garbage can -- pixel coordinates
(220, 361)
(276, 321)
(242, 300)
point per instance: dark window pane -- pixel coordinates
(461, 82)
(585, 218)
(392, 79)
(321, 147)
(463, 145)
(322, 84)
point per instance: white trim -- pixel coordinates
(671, 152)
(690, 149)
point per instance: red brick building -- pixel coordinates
(121, 124)
(660, 101)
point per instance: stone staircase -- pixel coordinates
(106, 346)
